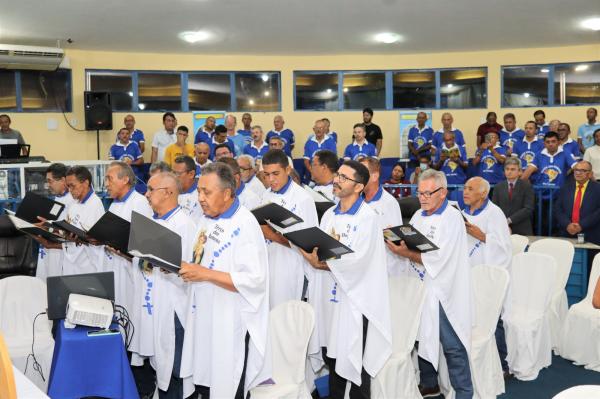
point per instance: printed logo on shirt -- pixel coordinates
(420, 141)
(360, 155)
(452, 165)
(489, 161)
(199, 246)
(528, 156)
(552, 172)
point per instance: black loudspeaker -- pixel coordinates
(98, 110)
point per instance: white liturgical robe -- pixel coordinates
(247, 197)
(389, 214)
(497, 248)
(189, 202)
(79, 259)
(447, 278)
(286, 265)
(327, 191)
(218, 319)
(50, 260)
(160, 297)
(256, 186)
(344, 295)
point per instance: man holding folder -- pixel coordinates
(352, 325)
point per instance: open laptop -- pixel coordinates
(99, 285)
(14, 151)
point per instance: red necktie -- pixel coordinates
(510, 190)
(577, 205)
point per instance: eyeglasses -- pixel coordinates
(342, 178)
(150, 190)
(428, 194)
(581, 170)
(246, 169)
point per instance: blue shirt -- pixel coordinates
(239, 142)
(489, 168)
(455, 174)
(288, 139)
(244, 132)
(542, 130)
(354, 151)
(212, 144)
(508, 139)
(120, 152)
(437, 140)
(256, 152)
(572, 147)
(419, 138)
(527, 151)
(552, 169)
(312, 146)
(202, 136)
(137, 136)
(586, 133)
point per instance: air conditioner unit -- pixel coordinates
(30, 57)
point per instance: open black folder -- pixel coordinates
(412, 237)
(111, 230)
(34, 205)
(276, 214)
(308, 239)
(32, 230)
(154, 243)
(69, 228)
(322, 203)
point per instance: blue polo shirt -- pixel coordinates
(354, 151)
(437, 140)
(508, 139)
(202, 136)
(212, 144)
(586, 133)
(419, 138)
(244, 132)
(572, 147)
(239, 142)
(527, 151)
(489, 168)
(312, 146)
(552, 169)
(455, 174)
(288, 139)
(256, 152)
(120, 152)
(542, 130)
(333, 135)
(137, 136)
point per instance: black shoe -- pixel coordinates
(507, 375)
(430, 392)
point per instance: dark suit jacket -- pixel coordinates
(589, 213)
(520, 208)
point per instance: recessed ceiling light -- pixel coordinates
(130, 93)
(194, 36)
(582, 67)
(387, 37)
(267, 93)
(449, 85)
(142, 106)
(345, 90)
(591, 23)
(251, 102)
(526, 95)
(544, 70)
(264, 77)
(328, 91)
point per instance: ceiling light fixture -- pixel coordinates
(582, 67)
(267, 93)
(264, 77)
(544, 70)
(328, 91)
(251, 102)
(526, 95)
(387, 37)
(591, 23)
(194, 36)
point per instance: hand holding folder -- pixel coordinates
(413, 238)
(314, 237)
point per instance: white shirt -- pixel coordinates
(327, 191)
(189, 202)
(447, 277)
(247, 197)
(256, 185)
(592, 155)
(161, 141)
(218, 319)
(497, 248)
(286, 265)
(50, 260)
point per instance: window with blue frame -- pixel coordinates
(551, 84)
(257, 91)
(210, 91)
(364, 89)
(463, 88)
(159, 91)
(317, 90)
(414, 89)
(35, 91)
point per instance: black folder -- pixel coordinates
(34, 205)
(308, 239)
(154, 243)
(461, 214)
(69, 228)
(322, 203)
(276, 214)
(111, 230)
(412, 237)
(32, 230)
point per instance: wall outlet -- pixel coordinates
(73, 122)
(52, 124)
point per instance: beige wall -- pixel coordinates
(66, 143)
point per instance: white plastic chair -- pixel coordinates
(290, 327)
(562, 251)
(21, 299)
(581, 331)
(580, 392)
(397, 378)
(528, 338)
(519, 243)
(490, 284)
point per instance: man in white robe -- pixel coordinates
(228, 301)
(352, 325)
(161, 300)
(50, 259)
(184, 168)
(286, 265)
(448, 308)
(243, 193)
(248, 173)
(488, 237)
(387, 209)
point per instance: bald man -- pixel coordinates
(437, 140)
(160, 296)
(201, 154)
(286, 135)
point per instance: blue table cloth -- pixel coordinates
(85, 365)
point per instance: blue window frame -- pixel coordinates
(30, 91)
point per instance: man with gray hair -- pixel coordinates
(184, 168)
(238, 140)
(225, 345)
(286, 135)
(248, 174)
(446, 273)
(246, 196)
(158, 167)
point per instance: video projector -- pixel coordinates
(88, 311)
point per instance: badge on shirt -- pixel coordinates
(199, 246)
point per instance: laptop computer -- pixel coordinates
(99, 285)
(14, 151)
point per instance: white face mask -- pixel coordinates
(423, 166)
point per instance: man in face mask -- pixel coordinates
(424, 164)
